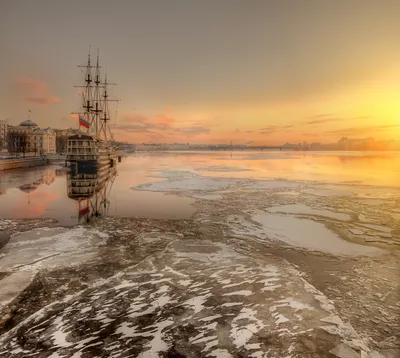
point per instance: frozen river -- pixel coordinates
(214, 254)
(42, 192)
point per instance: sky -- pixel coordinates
(209, 71)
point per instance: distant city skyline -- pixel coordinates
(247, 143)
(209, 72)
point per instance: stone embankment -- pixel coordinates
(16, 163)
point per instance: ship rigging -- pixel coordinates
(94, 146)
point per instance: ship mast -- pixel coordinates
(105, 116)
(97, 109)
(87, 94)
(106, 113)
(95, 100)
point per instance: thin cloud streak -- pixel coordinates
(273, 129)
(323, 118)
(276, 127)
(42, 100)
(195, 130)
(160, 126)
(326, 118)
(362, 130)
(35, 91)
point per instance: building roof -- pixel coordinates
(44, 131)
(28, 123)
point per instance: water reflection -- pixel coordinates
(47, 178)
(50, 192)
(91, 191)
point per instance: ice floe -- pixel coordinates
(143, 310)
(272, 184)
(202, 183)
(298, 232)
(302, 209)
(29, 252)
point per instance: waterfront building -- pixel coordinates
(32, 140)
(3, 134)
(316, 146)
(126, 147)
(291, 146)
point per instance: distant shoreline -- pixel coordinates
(266, 149)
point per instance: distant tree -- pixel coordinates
(11, 143)
(61, 143)
(1, 143)
(17, 143)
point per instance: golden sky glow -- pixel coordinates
(265, 72)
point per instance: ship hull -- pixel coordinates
(84, 153)
(83, 166)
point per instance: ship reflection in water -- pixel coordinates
(91, 189)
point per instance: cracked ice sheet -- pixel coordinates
(50, 247)
(206, 196)
(306, 210)
(298, 232)
(144, 309)
(272, 184)
(357, 191)
(11, 286)
(223, 169)
(28, 252)
(201, 183)
(175, 174)
(6, 224)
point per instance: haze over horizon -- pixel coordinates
(210, 71)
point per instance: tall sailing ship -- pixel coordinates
(93, 148)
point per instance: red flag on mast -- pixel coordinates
(83, 122)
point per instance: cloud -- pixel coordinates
(164, 120)
(272, 129)
(322, 115)
(42, 100)
(366, 130)
(194, 130)
(135, 118)
(323, 118)
(276, 127)
(133, 128)
(310, 134)
(35, 91)
(329, 117)
(159, 126)
(326, 120)
(137, 123)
